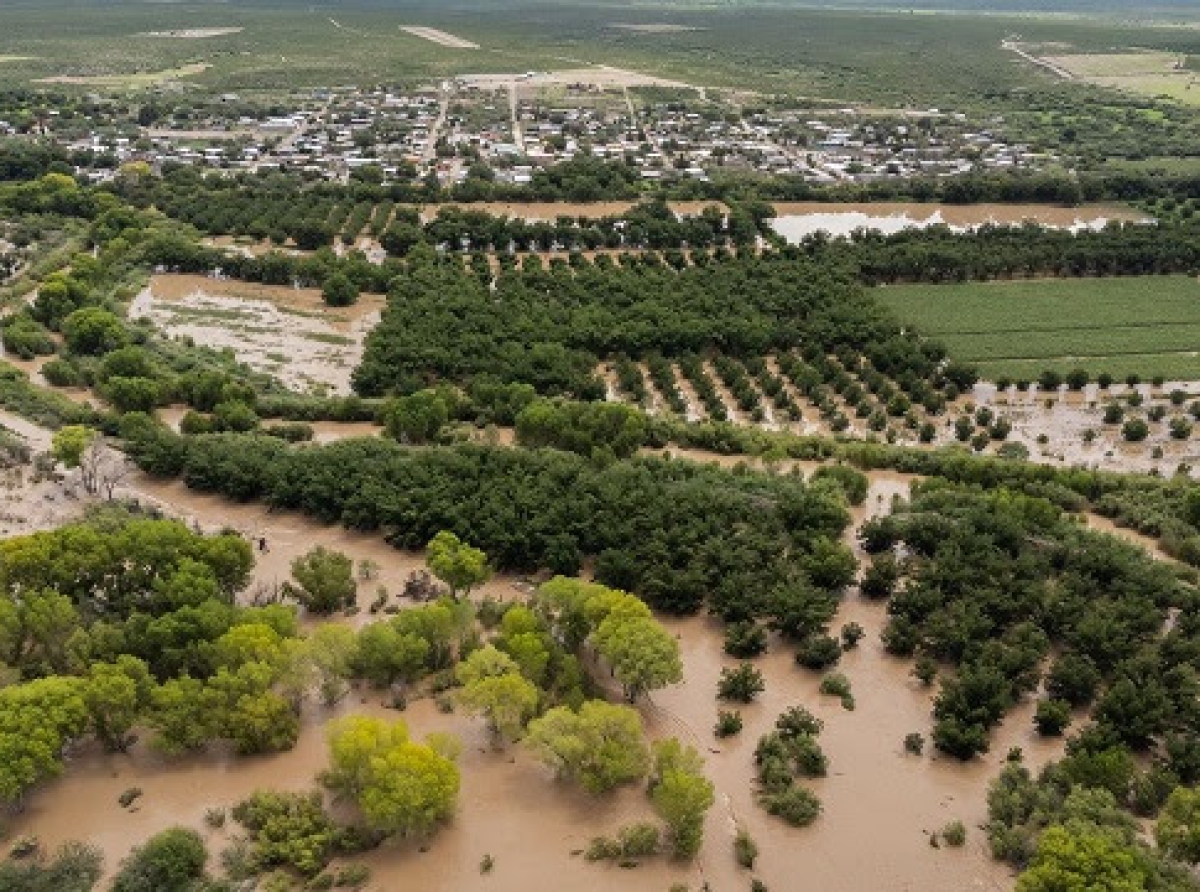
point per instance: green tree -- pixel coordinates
(117, 694)
(385, 654)
(173, 859)
(1083, 860)
(402, 787)
(75, 867)
(681, 794)
(92, 331)
(331, 649)
(339, 291)
(326, 580)
(417, 418)
(69, 444)
(599, 746)
(1178, 828)
(37, 720)
(494, 687)
(457, 564)
(642, 654)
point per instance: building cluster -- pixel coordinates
(506, 130)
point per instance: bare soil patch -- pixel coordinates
(552, 210)
(655, 27)
(442, 38)
(288, 333)
(192, 33)
(601, 76)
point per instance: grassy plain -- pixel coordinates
(894, 58)
(1147, 325)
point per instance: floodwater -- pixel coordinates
(880, 804)
(796, 220)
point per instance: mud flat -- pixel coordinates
(288, 333)
(442, 38)
(795, 220)
(552, 210)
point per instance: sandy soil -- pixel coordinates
(285, 332)
(442, 38)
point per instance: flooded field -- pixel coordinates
(288, 333)
(880, 803)
(796, 220)
(552, 210)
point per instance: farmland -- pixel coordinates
(1148, 326)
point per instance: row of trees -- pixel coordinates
(656, 527)
(548, 327)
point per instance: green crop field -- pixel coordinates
(1149, 325)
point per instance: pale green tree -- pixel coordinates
(642, 654)
(457, 564)
(402, 787)
(1178, 829)
(599, 746)
(494, 687)
(681, 794)
(1083, 860)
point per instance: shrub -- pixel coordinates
(1135, 430)
(173, 859)
(742, 684)
(798, 721)
(851, 634)
(728, 724)
(954, 833)
(1052, 717)
(745, 639)
(818, 652)
(796, 805)
(745, 850)
(838, 685)
(914, 742)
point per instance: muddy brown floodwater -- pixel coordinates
(796, 220)
(880, 803)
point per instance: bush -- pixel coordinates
(838, 685)
(173, 859)
(1135, 430)
(914, 742)
(742, 684)
(745, 639)
(1052, 717)
(326, 580)
(851, 634)
(954, 834)
(798, 721)
(728, 724)
(796, 805)
(339, 291)
(745, 850)
(818, 652)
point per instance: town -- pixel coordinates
(504, 127)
